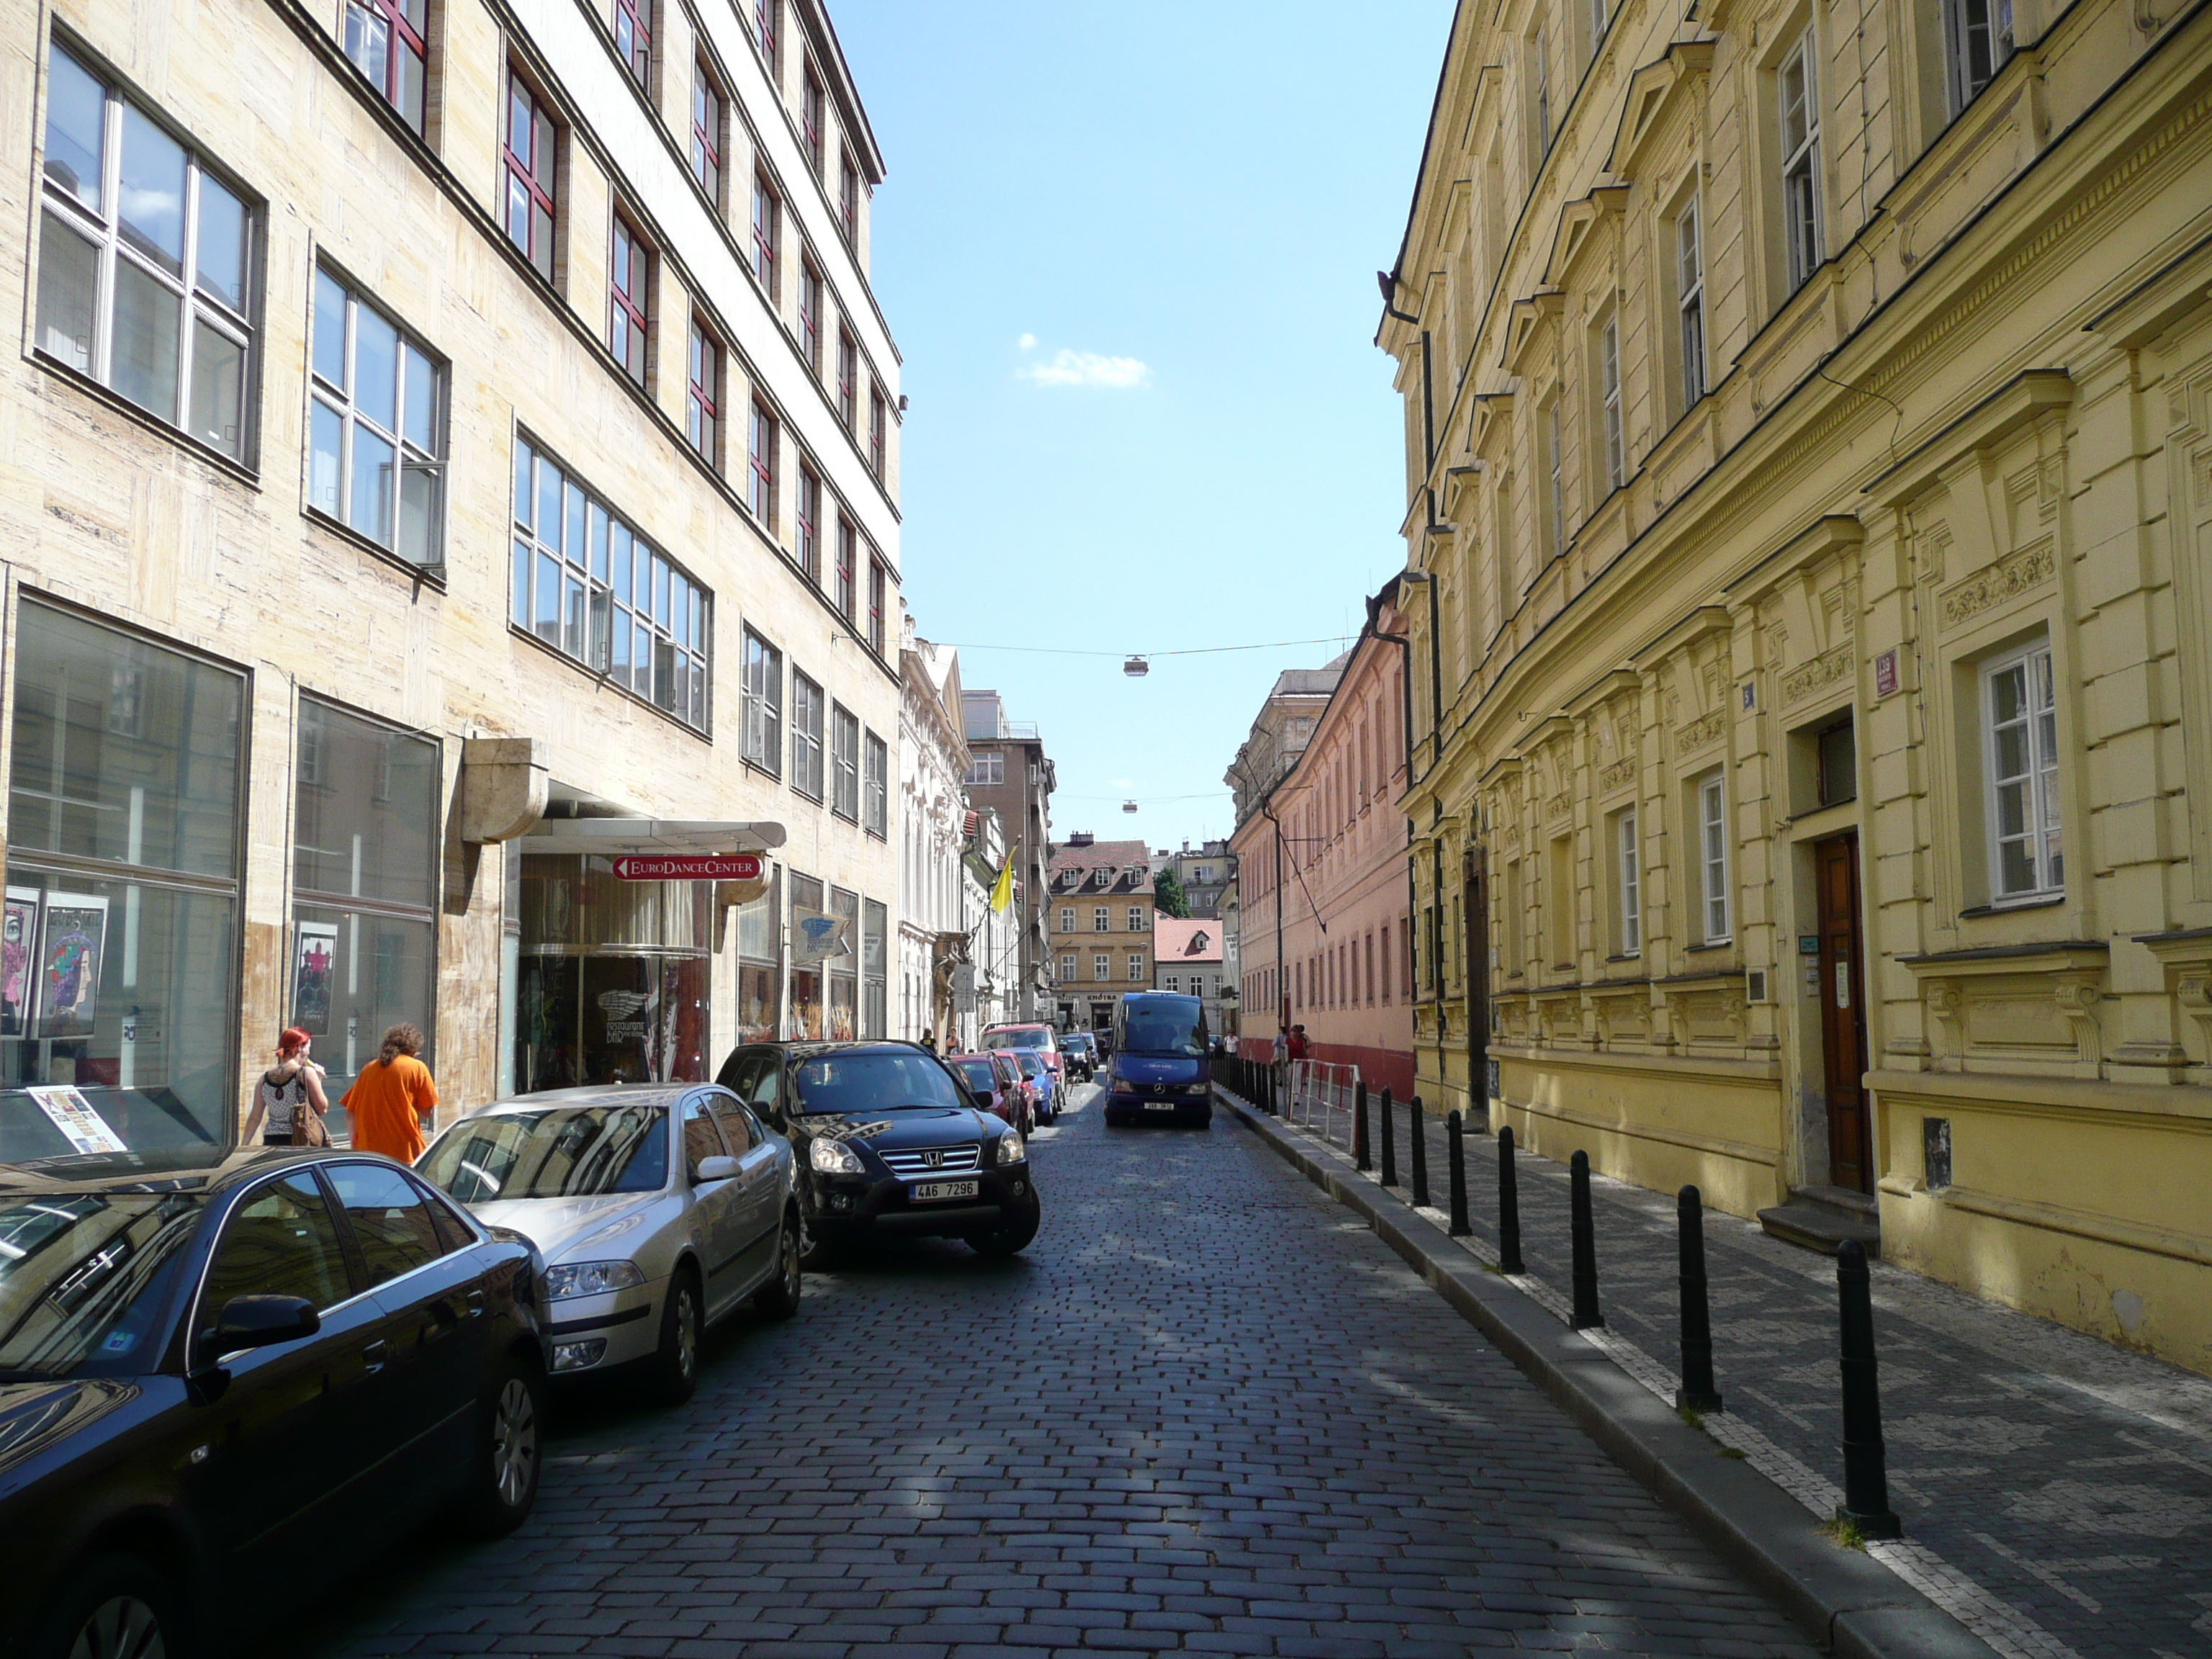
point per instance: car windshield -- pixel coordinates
(1169, 1026)
(1031, 1064)
(877, 1080)
(978, 1073)
(1022, 1036)
(83, 1278)
(562, 1151)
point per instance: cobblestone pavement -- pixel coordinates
(1205, 1412)
(2058, 1490)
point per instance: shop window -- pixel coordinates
(145, 262)
(376, 420)
(875, 920)
(364, 884)
(806, 970)
(844, 983)
(119, 972)
(760, 963)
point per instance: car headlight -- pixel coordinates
(590, 1279)
(833, 1157)
(1013, 1149)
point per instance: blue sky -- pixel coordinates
(1128, 253)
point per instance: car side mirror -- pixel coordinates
(256, 1322)
(715, 1169)
(982, 1098)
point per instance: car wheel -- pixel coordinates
(509, 1451)
(113, 1606)
(1007, 1238)
(675, 1363)
(779, 1298)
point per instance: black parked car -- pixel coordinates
(890, 1144)
(212, 1368)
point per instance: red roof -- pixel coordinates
(1175, 940)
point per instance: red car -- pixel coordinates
(995, 1082)
(1038, 1039)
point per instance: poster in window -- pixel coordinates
(19, 937)
(314, 963)
(72, 948)
(84, 1129)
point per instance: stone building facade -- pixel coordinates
(438, 460)
(1010, 774)
(935, 826)
(1805, 420)
(1098, 904)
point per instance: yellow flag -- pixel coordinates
(1002, 891)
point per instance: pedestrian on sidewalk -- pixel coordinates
(392, 1099)
(929, 1041)
(1299, 1048)
(1280, 1060)
(289, 1102)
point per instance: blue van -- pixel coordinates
(1159, 1069)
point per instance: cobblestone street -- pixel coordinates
(1205, 1412)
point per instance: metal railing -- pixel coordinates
(1318, 1096)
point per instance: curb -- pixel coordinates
(1850, 1603)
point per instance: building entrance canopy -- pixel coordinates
(611, 837)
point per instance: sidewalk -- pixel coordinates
(2055, 1491)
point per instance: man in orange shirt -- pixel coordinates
(392, 1097)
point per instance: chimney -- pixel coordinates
(1081, 838)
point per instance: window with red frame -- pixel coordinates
(848, 374)
(626, 300)
(808, 536)
(634, 38)
(877, 585)
(810, 315)
(707, 133)
(703, 411)
(878, 421)
(529, 155)
(813, 112)
(770, 36)
(768, 213)
(388, 41)
(760, 490)
(849, 542)
(848, 199)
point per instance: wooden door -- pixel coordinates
(1475, 873)
(1843, 1012)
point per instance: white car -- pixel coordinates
(660, 1208)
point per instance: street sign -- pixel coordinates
(717, 867)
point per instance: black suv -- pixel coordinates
(890, 1144)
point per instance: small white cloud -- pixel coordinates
(1027, 342)
(1088, 368)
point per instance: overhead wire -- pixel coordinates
(1187, 651)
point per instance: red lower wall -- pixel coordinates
(1379, 1069)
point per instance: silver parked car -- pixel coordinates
(658, 1207)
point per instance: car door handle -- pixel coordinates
(476, 1305)
(375, 1354)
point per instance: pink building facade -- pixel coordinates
(1324, 904)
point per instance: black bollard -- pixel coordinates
(1697, 1391)
(1455, 1175)
(1390, 1144)
(1865, 1475)
(1419, 1147)
(1360, 1160)
(1273, 1106)
(1583, 1235)
(1508, 1207)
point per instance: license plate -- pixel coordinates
(929, 1189)
(1161, 1105)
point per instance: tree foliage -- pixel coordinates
(1168, 896)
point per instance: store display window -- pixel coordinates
(760, 964)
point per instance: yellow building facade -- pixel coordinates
(1809, 418)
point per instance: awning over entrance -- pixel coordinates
(606, 837)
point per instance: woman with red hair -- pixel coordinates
(287, 1091)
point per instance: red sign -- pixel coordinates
(1885, 673)
(718, 866)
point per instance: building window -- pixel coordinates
(759, 463)
(1136, 918)
(1136, 968)
(1102, 965)
(845, 762)
(848, 374)
(1980, 40)
(1713, 857)
(810, 315)
(875, 924)
(1690, 302)
(807, 535)
(1541, 60)
(807, 704)
(1101, 919)
(628, 272)
(1066, 918)
(529, 155)
(848, 200)
(1608, 385)
(1386, 964)
(1630, 920)
(145, 263)
(1066, 966)
(843, 1010)
(767, 228)
(387, 40)
(762, 741)
(878, 425)
(875, 785)
(376, 421)
(703, 402)
(1798, 89)
(1172, 983)
(986, 768)
(634, 39)
(1555, 502)
(813, 113)
(769, 38)
(2019, 766)
(878, 585)
(593, 589)
(707, 133)
(847, 551)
